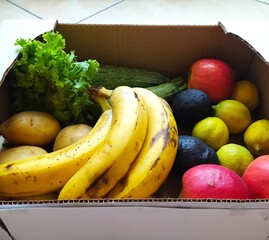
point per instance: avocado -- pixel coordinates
(192, 152)
(190, 106)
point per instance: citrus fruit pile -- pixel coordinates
(224, 153)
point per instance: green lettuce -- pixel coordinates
(46, 78)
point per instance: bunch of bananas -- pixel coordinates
(128, 153)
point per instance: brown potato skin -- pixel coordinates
(30, 128)
(20, 152)
(70, 134)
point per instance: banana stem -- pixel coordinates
(102, 102)
(106, 93)
(100, 95)
(99, 91)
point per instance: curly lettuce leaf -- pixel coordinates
(46, 78)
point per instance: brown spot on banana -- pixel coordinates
(9, 166)
(155, 163)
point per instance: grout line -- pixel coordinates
(104, 9)
(24, 9)
(266, 3)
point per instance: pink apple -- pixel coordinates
(256, 176)
(213, 181)
(214, 77)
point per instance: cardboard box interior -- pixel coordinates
(170, 50)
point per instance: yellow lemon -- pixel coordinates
(247, 93)
(235, 114)
(256, 137)
(212, 131)
(235, 157)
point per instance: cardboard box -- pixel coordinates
(170, 50)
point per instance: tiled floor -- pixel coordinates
(137, 11)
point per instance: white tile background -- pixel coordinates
(137, 11)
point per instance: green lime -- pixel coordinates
(212, 131)
(235, 114)
(235, 157)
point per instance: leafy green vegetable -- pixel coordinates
(46, 78)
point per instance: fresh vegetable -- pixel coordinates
(165, 90)
(169, 89)
(70, 134)
(110, 76)
(30, 128)
(46, 78)
(20, 152)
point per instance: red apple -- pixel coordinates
(256, 176)
(213, 181)
(214, 77)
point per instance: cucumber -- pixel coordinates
(168, 90)
(113, 76)
(165, 90)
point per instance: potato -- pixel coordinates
(30, 128)
(20, 152)
(70, 134)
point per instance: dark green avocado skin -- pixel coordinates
(190, 106)
(192, 152)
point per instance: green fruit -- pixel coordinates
(192, 152)
(212, 131)
(190, 106)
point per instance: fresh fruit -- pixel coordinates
(42, 197)
(247, 93)
(122, 149)
(235, 157)
(155, 160)
(213, 181)
(190, 106)
(70, 134)
(212, 131)
(49, 172)
(192, 152)
(20, 152)
(30, 128)
(256, 176)
(157, 123)
(256, 137)
(235, 114)
(214, 77)
(123, 142)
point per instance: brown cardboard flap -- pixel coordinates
(168, 49)
(254, 33)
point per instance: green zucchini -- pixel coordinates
(168, 90)
(165, 90)
(113, 76)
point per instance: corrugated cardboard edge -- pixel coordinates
(10, 31)
(145, 202)
(254, 34)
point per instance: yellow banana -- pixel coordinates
(42, 197)
(108, 180)
(155, 160)
(49, 172)
(123, 142)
